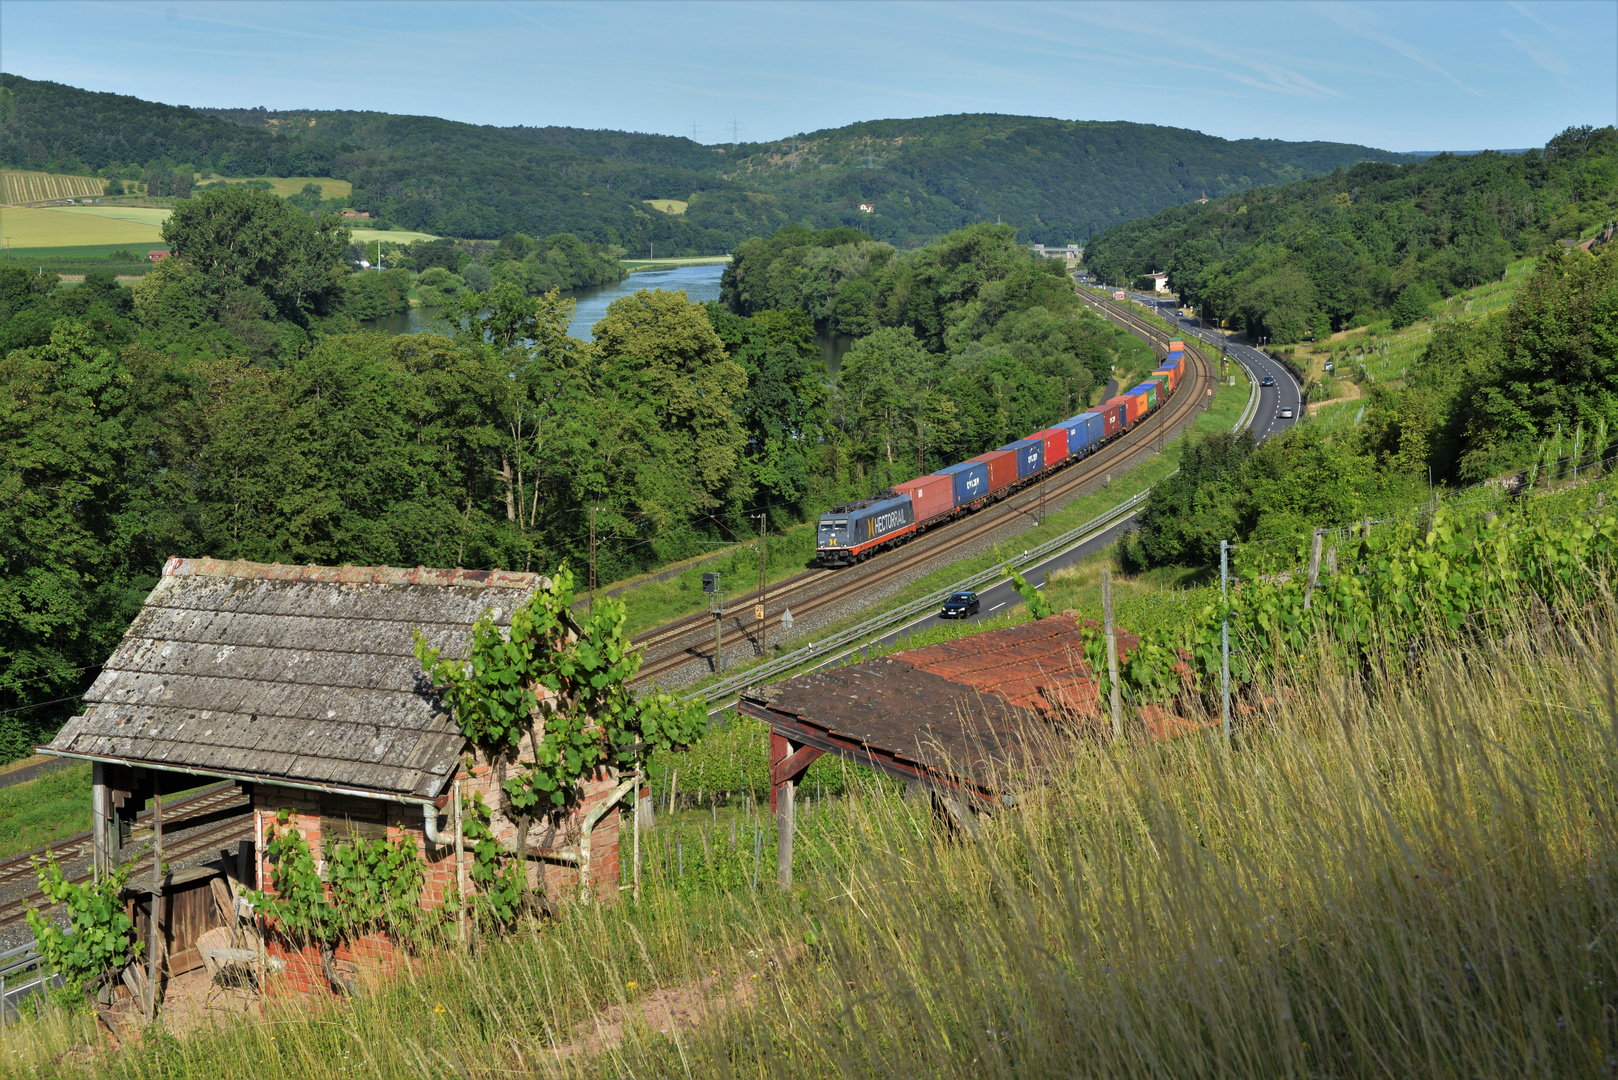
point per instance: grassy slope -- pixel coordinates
(1409, 880)
(39, 811)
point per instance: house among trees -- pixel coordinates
(157, 256)
(300, 683)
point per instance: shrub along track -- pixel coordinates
(691, 640)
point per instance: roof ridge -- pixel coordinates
(350, 574)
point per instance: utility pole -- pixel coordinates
(763, 581)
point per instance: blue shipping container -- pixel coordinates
(971, 480)
(1084, 431)
(1030, 456)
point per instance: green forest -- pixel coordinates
(1374, 241)
(229, 405)
(1057, 181)
(1532, 389)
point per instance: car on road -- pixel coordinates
(1286, 412)
(1268, 380)
(959, 606)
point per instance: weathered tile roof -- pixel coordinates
(301, 673)
(972, 709)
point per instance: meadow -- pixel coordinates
(291, 185)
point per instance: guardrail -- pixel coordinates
(26, 962)
(877, 625)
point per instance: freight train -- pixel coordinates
(854, 531)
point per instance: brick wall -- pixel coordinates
(312, 813)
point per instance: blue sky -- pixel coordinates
(1400, 76)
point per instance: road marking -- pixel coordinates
(997, 607)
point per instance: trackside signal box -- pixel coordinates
(710, 583)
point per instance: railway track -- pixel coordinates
(213, 817)
(690, 640)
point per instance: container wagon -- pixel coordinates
(1114, 417)
(1150, 390)
(1030, 456)
(971, 482)
(1085, 432)
(851, 532)
(932, 498)
(1171, 377)
(1133, 406)
(1002, 466)
(1055, 440)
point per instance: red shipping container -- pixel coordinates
(1134, 406)
(1002, 468)
(1112, 420)
(932, 496)
(1055, 440)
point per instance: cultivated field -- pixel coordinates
(33, 227)
(291, 185)
(397, 236)
(22, 187)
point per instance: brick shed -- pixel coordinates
(300, 684)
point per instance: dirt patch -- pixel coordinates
(675, 1010)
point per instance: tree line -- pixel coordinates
(1376, 241)
(226, 407)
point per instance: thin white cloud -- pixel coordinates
(1361, 22)
(1543, 53)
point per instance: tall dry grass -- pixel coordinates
(1409, 875)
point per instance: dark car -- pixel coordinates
(1268, 380)
(959, 606)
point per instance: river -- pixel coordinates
(701, 284)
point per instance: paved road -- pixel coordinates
(1286, 393)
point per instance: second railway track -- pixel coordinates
(690, 640)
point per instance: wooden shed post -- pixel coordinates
(788, 762)
(783, 833)
(99, 802)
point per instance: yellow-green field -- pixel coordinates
(397, 236)
(668, 206)
(22, 187)
(30, 227)
(291, 185)
(141, 215)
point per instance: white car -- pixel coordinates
(1286, 412)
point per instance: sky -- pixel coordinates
(1396, 76)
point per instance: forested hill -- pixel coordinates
(1057, 181)
(1348, 248)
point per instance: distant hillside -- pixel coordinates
(1376, 241)
(1057, 181)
